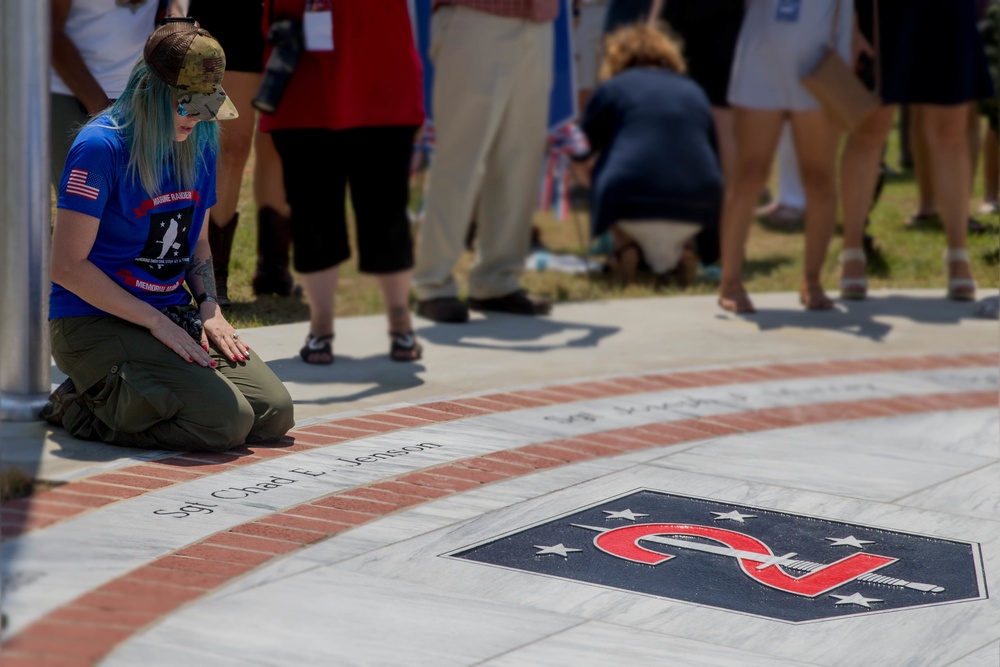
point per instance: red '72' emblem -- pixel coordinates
(755, 558)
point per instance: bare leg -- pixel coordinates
(816, 141)
(725, 134)
(975, 139)
(921, 162)
(396, 293)
(757, 134)
(268, 186)
(320, 290)
(235, 141)
(946, 131)
(859, 166)
(991, 168)
(624, 262)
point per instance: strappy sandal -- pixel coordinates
(959, 289)
(737, 302)
(405, 347)
(318, 350)
(853, 288)
(814, 298)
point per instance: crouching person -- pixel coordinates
(147, 366)
(656, 179)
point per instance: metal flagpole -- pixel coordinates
(25, 208)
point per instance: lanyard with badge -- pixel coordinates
(788, 11)
(317, 25)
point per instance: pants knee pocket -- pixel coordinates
(130, 402)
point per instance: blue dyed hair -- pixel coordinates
(144, 113)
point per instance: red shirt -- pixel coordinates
(371, 78)
(534, 10)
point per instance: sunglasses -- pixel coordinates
(181, 111)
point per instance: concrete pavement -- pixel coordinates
(750, 490)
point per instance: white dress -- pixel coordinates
(774, 52)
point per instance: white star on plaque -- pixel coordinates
(558, 549)
(733, 516)
(856, 598)
(624, 514)
(849, 541)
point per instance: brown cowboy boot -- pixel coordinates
(220, 240)
(274, 240)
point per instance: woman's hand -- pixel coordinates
(221, 333)
(860, 47)
(180, 341)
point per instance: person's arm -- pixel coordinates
(860, 47)
(72, 240)
(200, 278)
(178, 8)
(69, 64)
(654, 12)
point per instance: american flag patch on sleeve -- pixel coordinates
(83, 183)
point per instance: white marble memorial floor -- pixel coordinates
(623, 483)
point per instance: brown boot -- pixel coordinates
(274, 240)
(220, 240)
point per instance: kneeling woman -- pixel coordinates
(657, 182)
(147, 367)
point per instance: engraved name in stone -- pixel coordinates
(191, 508)
(388, 454)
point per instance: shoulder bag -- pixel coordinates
(837, 88)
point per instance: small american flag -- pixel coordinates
(82, 183)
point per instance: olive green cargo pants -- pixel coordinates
(137, 392)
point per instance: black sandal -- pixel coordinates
(405, 347)
(318, 346)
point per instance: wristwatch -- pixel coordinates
(203, 297)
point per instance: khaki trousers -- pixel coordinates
(492, 81)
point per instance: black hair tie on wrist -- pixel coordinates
(203, 297)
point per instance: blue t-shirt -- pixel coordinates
(144, 242)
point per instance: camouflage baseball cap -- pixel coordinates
(189, 60)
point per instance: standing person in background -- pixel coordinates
(943, 81)
(709, 30)
(492, 77)
(787, 211)
(923, 157)
(146, 366)
(587, 34)
(622, 13)
(780, 42)
(348, 118)
(94, 45)
(989, 27)
(236, 24)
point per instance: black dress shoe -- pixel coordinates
(443, 309)
(516, 303)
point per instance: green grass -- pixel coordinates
(908, 258)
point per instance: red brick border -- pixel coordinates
(52, 506)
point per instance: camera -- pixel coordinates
(286, 38)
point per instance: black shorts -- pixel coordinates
(236, 24)
(319, 166)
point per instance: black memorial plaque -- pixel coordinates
(774, 564)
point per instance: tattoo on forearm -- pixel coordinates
(207, 276)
